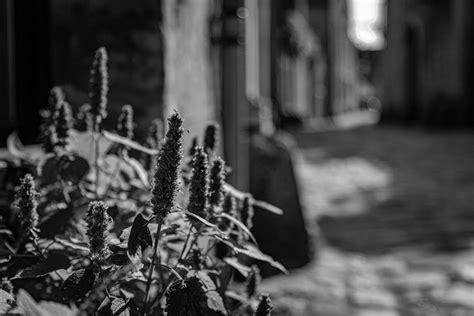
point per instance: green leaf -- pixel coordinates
(139, 170)
(240, 225)
(53, 262)
(119, 259)
(191, 297)
(73, 168)
(83, 144)
(119, 306)
(128, 142)
(70, 168)
(140, 236)
(259, 205)
(264, 206)
(15, 147)
(215, 302)
(234, 263)
(202, 220)
(78, 284)
(74, 244)
(6, 300)
(44, 308)
(251, 251)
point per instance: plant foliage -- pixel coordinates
(91, 230)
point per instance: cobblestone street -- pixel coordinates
(395, 227)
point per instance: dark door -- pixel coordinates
(412, 73)
(25, 69)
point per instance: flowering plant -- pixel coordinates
(100, 231)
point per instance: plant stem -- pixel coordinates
(152, 265)
(194, 240)
(181, 256)
(210, 248)
(96, 158)
(113, 176)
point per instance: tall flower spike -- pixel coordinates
(26, 199)
(62, 123)
(47, 130)
(199, 186)
(264, 306)
(98, 222)
(216, 183)
(125, 122)
(229, 206)
(99, 85)
(253, 281)
(246, 212)
(210, 137)
(165, 184)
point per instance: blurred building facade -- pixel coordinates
(428, 62)
(229, 61)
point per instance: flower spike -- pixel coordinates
(166, 184)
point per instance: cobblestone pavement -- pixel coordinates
(388, 212)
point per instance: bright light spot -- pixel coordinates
(366, 23)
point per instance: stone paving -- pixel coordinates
(383, 267)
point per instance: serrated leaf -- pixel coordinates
(215, 302)
(119, 306)
(53, 262)
(78, 284)
(129, 143)
(140, 236)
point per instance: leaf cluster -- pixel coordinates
(112, 234)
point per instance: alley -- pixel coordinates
(391, 226)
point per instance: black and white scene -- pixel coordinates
(237, 157)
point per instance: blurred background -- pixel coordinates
(353, 116)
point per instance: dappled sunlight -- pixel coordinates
(340, 186)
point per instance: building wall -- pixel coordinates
(338, 58)
(343, 61)
(188, 85)
(159, 56)
(425, 62)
